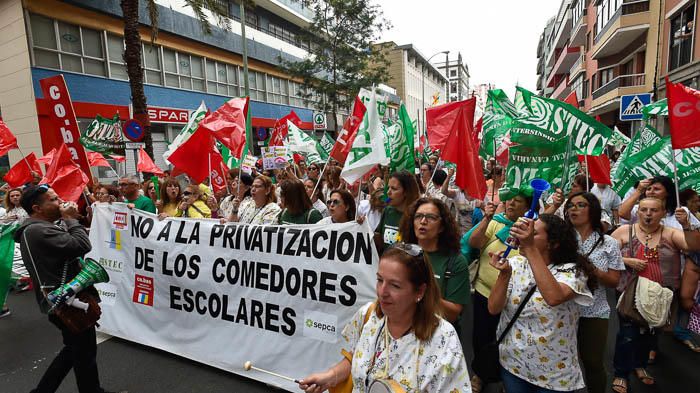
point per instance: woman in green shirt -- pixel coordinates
(297, 205)
(429, 224)
(403, 191)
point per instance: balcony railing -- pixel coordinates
(578, 63)
(629, 7)
(620, 81)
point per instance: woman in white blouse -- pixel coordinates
(583, 211)
(261, 208)
(539, 353)
(401, 336)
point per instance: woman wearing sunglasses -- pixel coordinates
(583, 211)
(430, 225)
(341, 206)
(400, 336)
(192, 205)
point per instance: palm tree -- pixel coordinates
(132, 50)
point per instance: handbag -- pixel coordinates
(346, 385)
(626, 304)
(487, 365)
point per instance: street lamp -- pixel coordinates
(445, 52)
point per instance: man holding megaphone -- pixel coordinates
(52, 243)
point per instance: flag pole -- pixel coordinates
(359, 193)
(25, 159)
(493, 172)
(565, 175)
(675, 178)
(320, 175)
(585, 159)
(209, 165)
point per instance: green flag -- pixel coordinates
(621, 172)
(652, 160)
(326, 143)
(542, 120)
(658, 108)
(498, 116)
(618, 139)
(688, 162)
(527, 162)
(401, 143)
(7, 253)
(104, 135)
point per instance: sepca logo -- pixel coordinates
(309, 323)
(320, 326)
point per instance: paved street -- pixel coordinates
(29, 342)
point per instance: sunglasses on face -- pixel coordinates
(187, 193)
(334, 202)
(431, 218)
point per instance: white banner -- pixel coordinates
(278, 296)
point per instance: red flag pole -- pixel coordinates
(25, 159)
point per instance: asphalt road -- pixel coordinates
(28, 342)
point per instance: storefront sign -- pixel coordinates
(63, 124)
(168, 115)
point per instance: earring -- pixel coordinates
(418, 300)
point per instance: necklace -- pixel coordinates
(649, 235)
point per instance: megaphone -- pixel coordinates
(90, 274)
(539, 186)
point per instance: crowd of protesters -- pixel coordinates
(548, 305)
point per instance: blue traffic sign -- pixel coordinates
(631, 106)
(261, 133)
(133, 130)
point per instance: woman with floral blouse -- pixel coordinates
(539, 353)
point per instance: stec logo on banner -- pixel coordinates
(320, 326)
(111, 265)
(143, 290)
(119, 221)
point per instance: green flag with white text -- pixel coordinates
(7, 253)
(401, 143)
(187, 131)
(498, 116)
(621, 172)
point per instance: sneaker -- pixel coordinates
(4, 313)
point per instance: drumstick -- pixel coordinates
(249, 365)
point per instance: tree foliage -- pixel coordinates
(342, 58)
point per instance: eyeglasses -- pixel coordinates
(151, 188)
(579, 206)
(431, 218)
(413, 250)
(187, 193)
(125, 184)
(334, 202)
(313, 168)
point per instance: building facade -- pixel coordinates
(602, 50)
(680, 52)
(418, 83)
(83, 40)
(457, 72)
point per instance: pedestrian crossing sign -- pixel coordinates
(631, 106)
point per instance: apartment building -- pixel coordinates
(457, 72)
(602, 50)
(418, 83)
(83, 40)
(680, 52)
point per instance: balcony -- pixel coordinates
(566, 59)
(607, 96)
(578, 67)
(561, 37)
(295, 11)
(578, 32)
(562, 90)
(629, 23)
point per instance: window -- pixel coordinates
(256, 83)
(67, 47)
(277, 91)
(182, 70)
(222, 78)
(295, 98)
(151, 62)
(681, 39)
(605, 12)
(453, 73)
(115, 48)
(605, 76)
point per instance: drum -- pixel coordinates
(385, 386)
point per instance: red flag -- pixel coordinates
(572, 99)
(7, 140)
(279, 133)
(21, 172)
(97, 159)
(502, 151)
(118, 158)
(683, 115)
(192, 157)
(227, 124)
(147, 165)
(47, 158)
(65, 176)
(476, 135)
(219, 171)
(346, 137)
(598, 168)
(459, 118)
(441, 121)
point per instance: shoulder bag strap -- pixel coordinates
(517, 314)
(600, 240)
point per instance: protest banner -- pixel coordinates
(275, 157)
(104, 136)
(224, 294)
(249, 163)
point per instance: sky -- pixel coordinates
(497, 38)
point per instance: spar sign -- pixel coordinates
(279, 295)
(63, 126)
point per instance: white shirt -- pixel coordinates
(322, 208)
(605, 256)
(609, 200)
(373, 216)
(435, 365)
(541, 347)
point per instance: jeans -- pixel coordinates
(80, 354)
(632, 346)
(485, 324)
(592, 339)
(514, 384)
